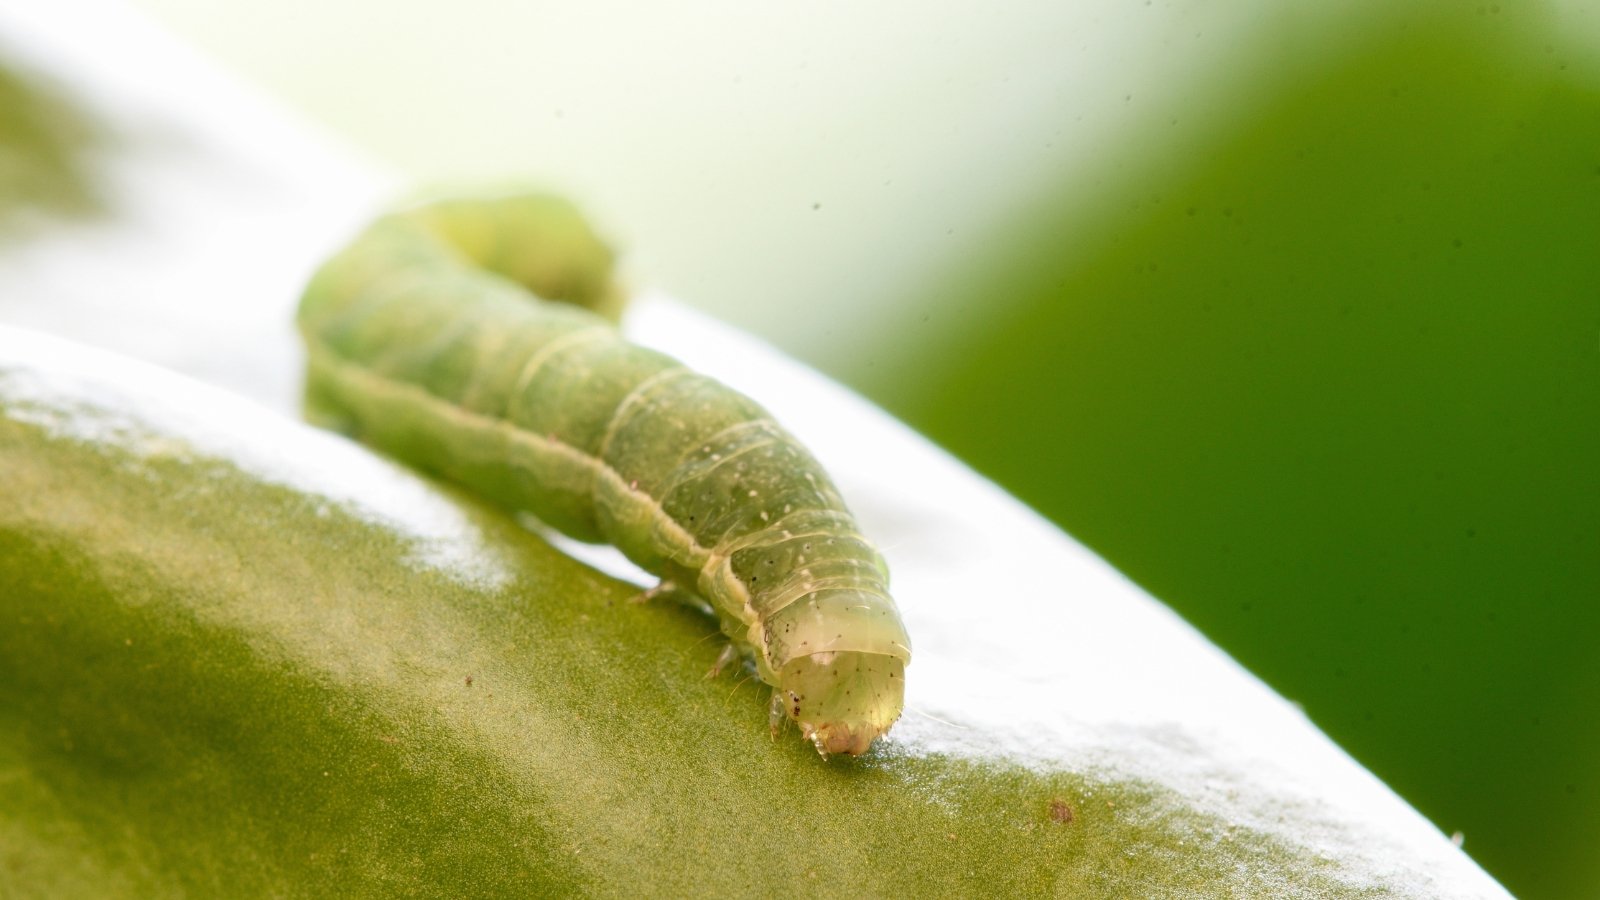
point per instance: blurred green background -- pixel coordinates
(1292, 315)
(1331, 388)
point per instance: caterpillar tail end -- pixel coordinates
(842, 701)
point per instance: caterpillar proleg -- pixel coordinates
(427, 337)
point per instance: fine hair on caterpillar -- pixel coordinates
(433, 337)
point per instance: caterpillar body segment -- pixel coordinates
(427, 337)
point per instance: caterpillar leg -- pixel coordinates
(729, 655)
(777, 715)
(667, 586)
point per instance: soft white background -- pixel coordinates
(800, 169)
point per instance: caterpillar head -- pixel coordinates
(842, 700)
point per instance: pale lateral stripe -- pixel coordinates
(700, 558)
(471, 420)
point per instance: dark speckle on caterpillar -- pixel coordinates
(427, 337)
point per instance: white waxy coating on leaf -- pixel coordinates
(56, 385)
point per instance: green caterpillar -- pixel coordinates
(426, 338)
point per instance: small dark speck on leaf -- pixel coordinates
(469, 681)
(1061, 812)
